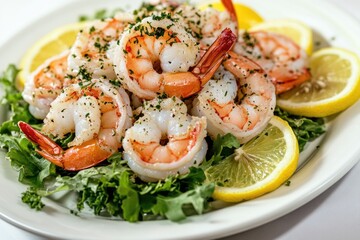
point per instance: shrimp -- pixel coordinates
(158, 55)
(171, 3)
(165, 140)
(45, 84)
(90, 55)
(243, 109)
(282, 59)
(214, 21)
(98, 113)
(208, 24)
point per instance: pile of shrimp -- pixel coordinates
(154, 84)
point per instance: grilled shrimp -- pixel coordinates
(98, 113)
(242, 108)
(165, 140)
(90, 55)
(45, 84)
(158, 55)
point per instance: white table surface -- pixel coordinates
(335, 214)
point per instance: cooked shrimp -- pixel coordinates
(98, 114)
(157, 55)
(214, 22)
(172, 3)
(243, 109)
(90, 56)
(165, 140)
(45, 84)
(282, 59)
(230, 9)
(208, 24)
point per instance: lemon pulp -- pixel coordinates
(259, 166)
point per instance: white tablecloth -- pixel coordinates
(335, 214)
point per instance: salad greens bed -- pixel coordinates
(112, 189)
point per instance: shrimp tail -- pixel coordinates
(286, 85)
(229, 6)
(48, 148)
(76, 158)
(213, 57)
(185, 84)
(181, 84)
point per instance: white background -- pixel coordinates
(335, 214)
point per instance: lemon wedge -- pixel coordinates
(299, 32)
(48, 46)
(257, 167)
(334, 85)
(247, 17)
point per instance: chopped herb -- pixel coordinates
(32, 199)
(92, 29)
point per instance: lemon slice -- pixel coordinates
(247, 17)
(299, 32)
(48, 46)
(257, 167)
(334, 86)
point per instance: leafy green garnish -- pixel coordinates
(306, 129)
(32, 199)
(222, 147)
(32, 168)
(20, 151)
(172, 207)
(115, 190)
(13, 99)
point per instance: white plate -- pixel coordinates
(321, 172)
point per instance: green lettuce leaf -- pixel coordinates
(19, 109)
(116, 191)
(173, 207)
(33, 169)
(306, 129)
(130, 198)
(222, 147)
